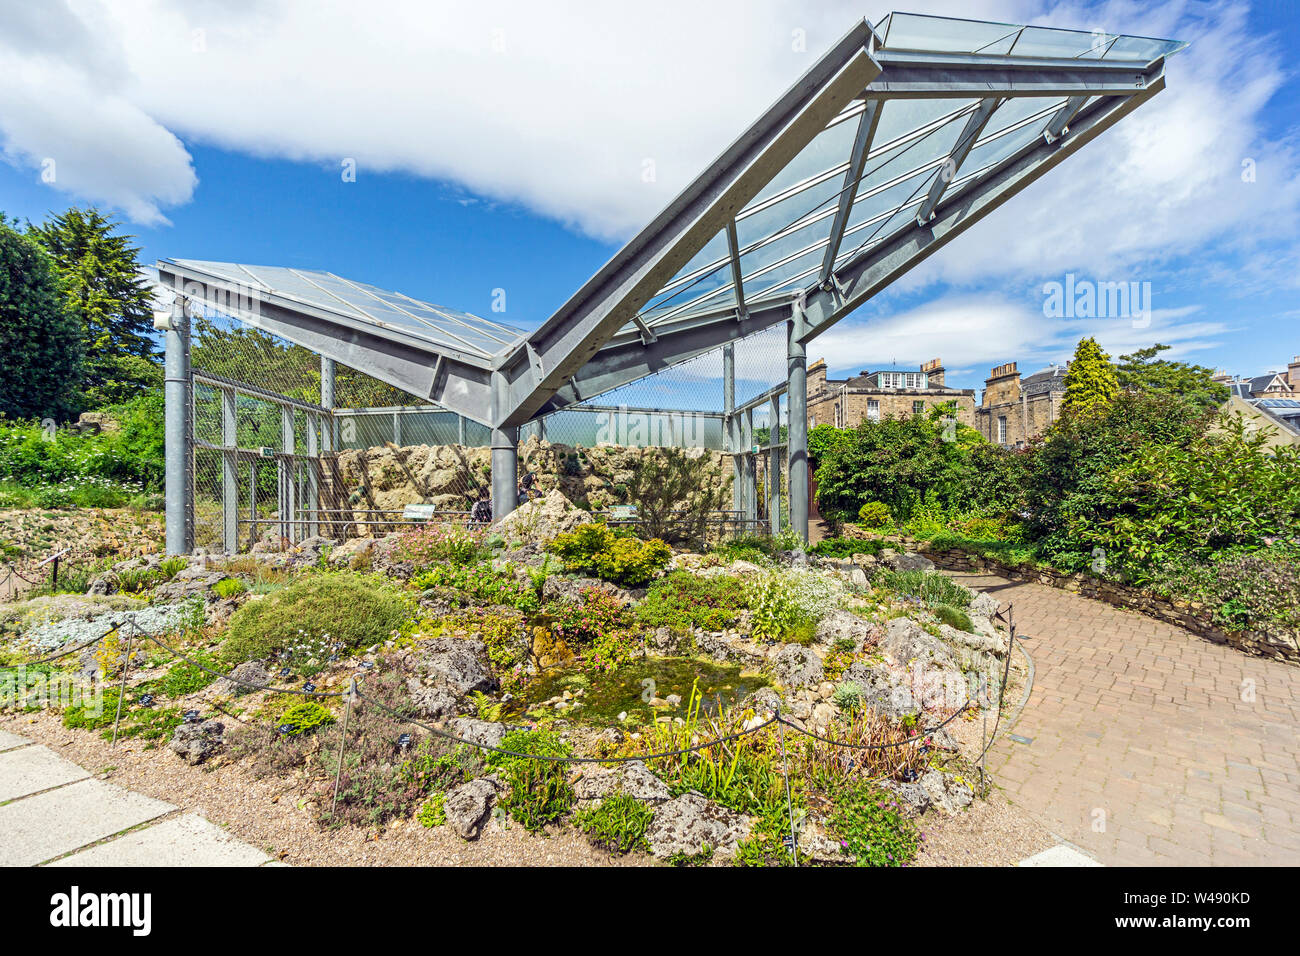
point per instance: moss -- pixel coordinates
(354, 610)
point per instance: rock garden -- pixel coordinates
(751, 704)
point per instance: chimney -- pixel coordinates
(1293, 373)
(1002, 385)
(816, 377)
(934, 370)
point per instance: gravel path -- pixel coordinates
(267, 814)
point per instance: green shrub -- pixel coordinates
(434, 811)
(305, 717)
(481, 584)
(620, 559)
(682, 601)
(847, 697)
(953, 617)
(600, 621)
(846, 547)
(788, 605)
(875, 516)
(95, 716)
(439, 543)
(675, 492)
(229, 587)
(185, 678)
(538, 791)
(344, 608)
(930, 587)
(872, 827)
(617, 825)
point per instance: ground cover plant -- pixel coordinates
(619, 558)
(315, 614)
(682, 602)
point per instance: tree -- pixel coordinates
(104, 289)
(1090, 384)
(40, 340)
(1142, 371)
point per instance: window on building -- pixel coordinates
(873, 409)
(918, 408)
(1002, 429)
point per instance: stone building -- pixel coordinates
(1014, 410)
(1273, 384)
(887, 393)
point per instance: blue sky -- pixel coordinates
(503, 147)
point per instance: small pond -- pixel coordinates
(600, 698)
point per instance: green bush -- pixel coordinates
(434, 811)
(846, 547)
(619, 559)
(929, 587)
(345, 608)
(185, 678)
(875, 516)
(872, 828)
(954, 617)
(481, 584)
(305, 717)
(682, 601)
(788, 605)
(538, 791)
(617, 825)
(229, 587)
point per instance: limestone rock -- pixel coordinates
(796, 667)
(689, 823)
(195, 743)
(541, 520)
(241, 677)
(468, 807)
(633, 778)
(843, 624)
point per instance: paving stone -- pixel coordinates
(1061, 855)
(187, 840)
(42, 827)
(33, 769)
(1184, 768)
(9, 741)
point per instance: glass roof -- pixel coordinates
(783, 233)
(366, 304)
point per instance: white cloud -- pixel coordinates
(559, 111)
(65, 111)
(974, 333)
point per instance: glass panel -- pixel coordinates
(1047, 42)
(1143, 48)
(910, 31)
(830, 148)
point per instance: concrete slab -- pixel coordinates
(33, 769)
(187, 840)
(1059, 856)
(9, 741)
(51, 824)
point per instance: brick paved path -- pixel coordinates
(1143, 749)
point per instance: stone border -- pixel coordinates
(1185, 614)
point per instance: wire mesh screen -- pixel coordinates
(271, 464)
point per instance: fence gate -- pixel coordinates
(264, 466)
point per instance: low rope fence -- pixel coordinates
(354, 693)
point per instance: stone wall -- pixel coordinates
(1188, 615)
(390, 477)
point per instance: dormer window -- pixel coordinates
(903, 379)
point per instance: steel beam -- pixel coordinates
(876, 268)
(1059, 124)
(454, 383)
(505, 471)
(947, 172)
(906, 75)
(867, 124)
(571, 337)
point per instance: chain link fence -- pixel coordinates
(271, 463)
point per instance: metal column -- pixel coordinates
(285, 466)
(797, 449)
(329, 438)
(179, 453)
(749, 468)
(229, 473)
(774, 467)
(729, 436)
(505, 466)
